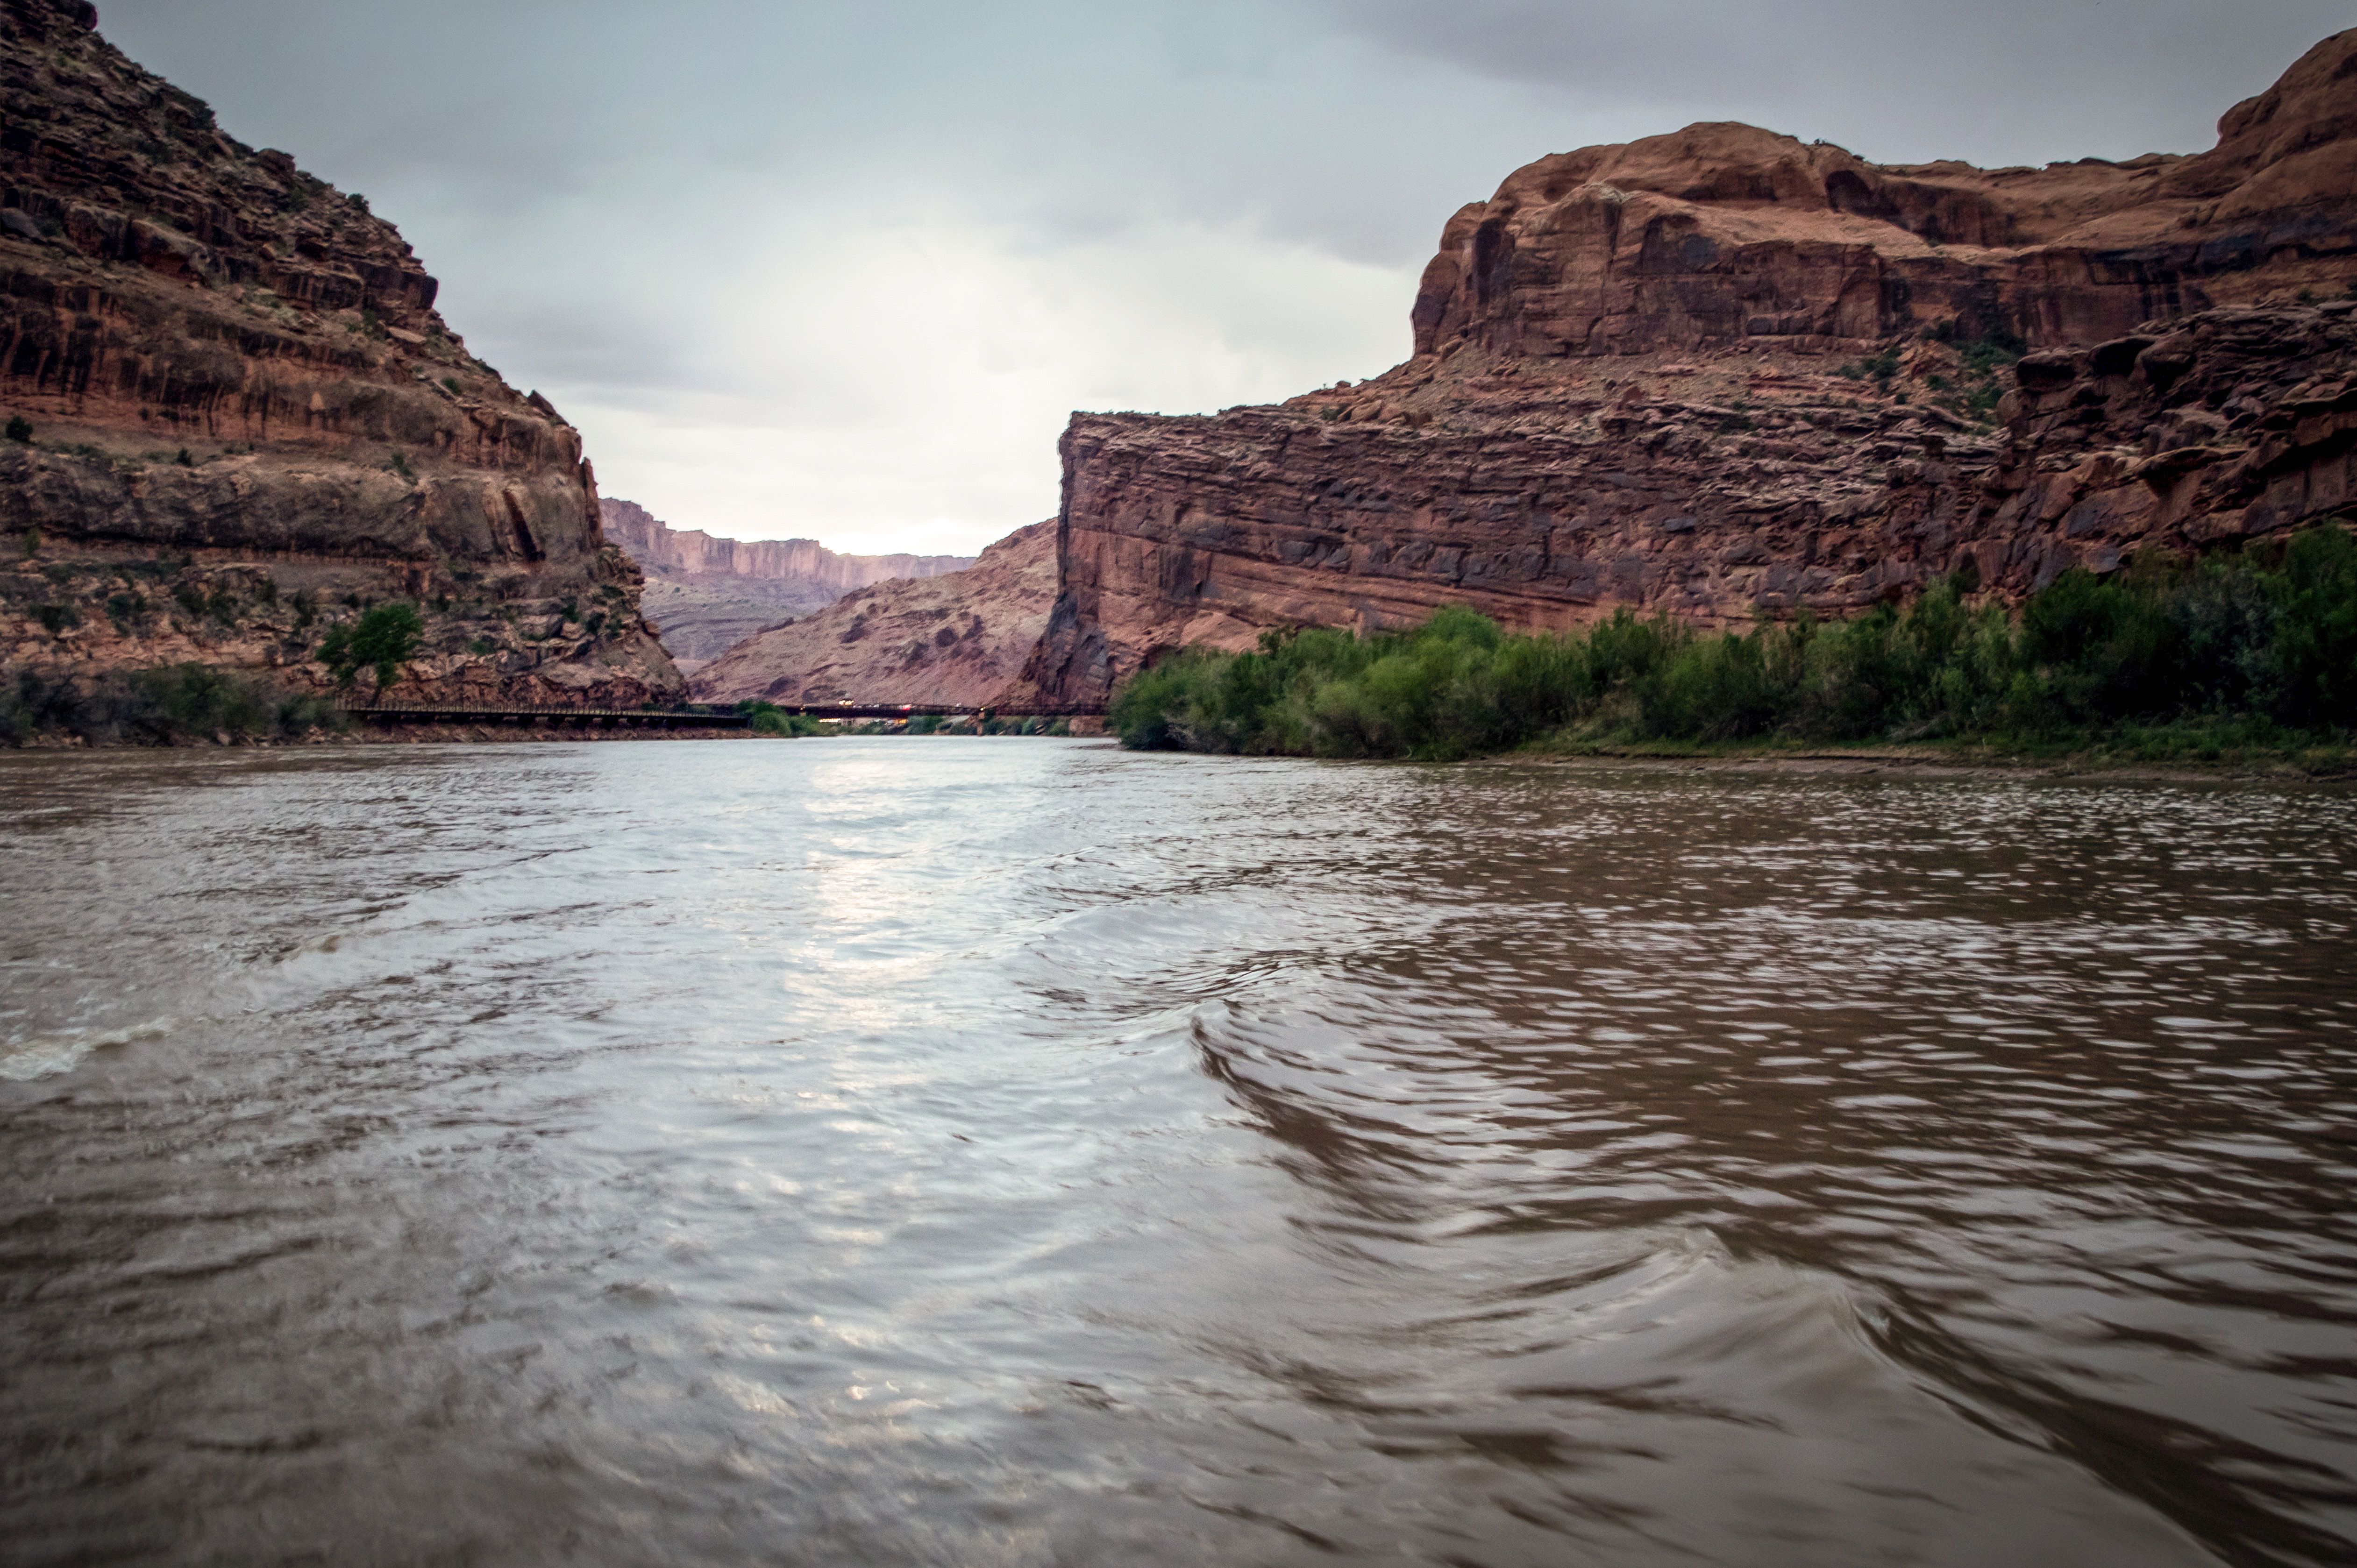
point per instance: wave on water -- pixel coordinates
(45, 1056)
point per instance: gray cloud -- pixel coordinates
(841, 271)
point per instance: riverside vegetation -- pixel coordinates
(2242, 655)
(768, 719)
(170, 703)
(156, 707)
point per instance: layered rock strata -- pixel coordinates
(707, 595)
(957, 640)
(237, 417)
(1723, 373)
(692, 552)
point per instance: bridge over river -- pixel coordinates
(688, 717)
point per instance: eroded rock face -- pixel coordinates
(957, 640)
(707, 594)
(1724, 373)
(229, 370)
(1721, 235)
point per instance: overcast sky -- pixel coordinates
(841, 271)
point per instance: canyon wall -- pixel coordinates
(236, 418)
(707, 595)
(1723, 372)
(958, 640)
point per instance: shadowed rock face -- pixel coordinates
(1725, 372)
(233, 373)
(707, 595)
(958, 639)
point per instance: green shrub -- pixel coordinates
(198, 700)
(2259, 642)
(157, 706)
(382, 639)
(20, 430)
(769, 719)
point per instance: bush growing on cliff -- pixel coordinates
(2266, 638)
(383, 638)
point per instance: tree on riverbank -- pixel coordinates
(2254, 649)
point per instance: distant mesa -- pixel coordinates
(707, 595)
(959, 639)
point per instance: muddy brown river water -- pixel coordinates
(976, 1152)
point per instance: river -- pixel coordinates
(978, 1151)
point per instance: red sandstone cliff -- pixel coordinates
(247, 419)
(1722, 372)
(707, 595)
(957, 640)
